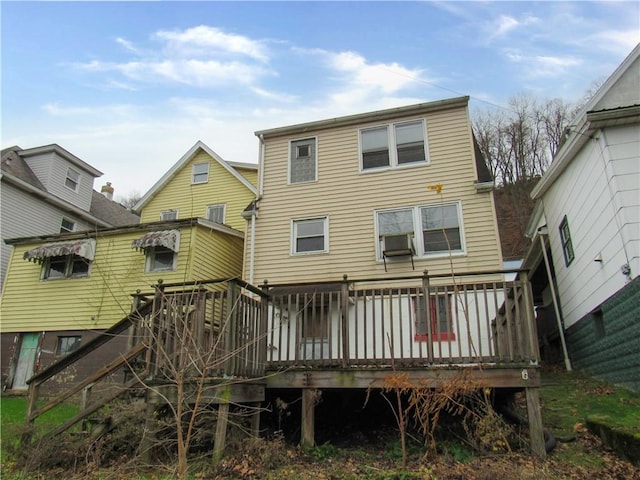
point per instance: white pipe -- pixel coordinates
(567, 362)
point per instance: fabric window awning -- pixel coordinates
(164, 238)
(84, 248)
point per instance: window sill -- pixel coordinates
(436, 337)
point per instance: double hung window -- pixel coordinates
(72, 180)
(302, 161)
(67, 226)
(310, 235)
(200, 173)
(429, 229)
(394, 145)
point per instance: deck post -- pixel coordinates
(220, 441)
(149, 439)
(536, 432)
(230, 328)
(307, 425)
(255, 420)
(344, 317)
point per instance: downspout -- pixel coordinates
(254, 214)
(544, 232)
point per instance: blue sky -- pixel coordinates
(129, 87)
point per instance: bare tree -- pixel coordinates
(130, 200)
(518, 145)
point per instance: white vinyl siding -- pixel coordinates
(303, 165)
(18, 205)
(598, 193)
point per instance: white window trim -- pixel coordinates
(293, 140)
(193, 174)
(65, 230)
(393, 151)
(162, 212)
(418, 243)
(148, 262)
(292, 240)
(69, 169)
(217, 205)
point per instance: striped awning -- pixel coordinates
(84, 248)
(164, 238)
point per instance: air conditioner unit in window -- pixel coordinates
(397, 242)
(397, 246)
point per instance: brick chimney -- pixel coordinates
(107, 191)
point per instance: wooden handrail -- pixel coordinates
(88, 347)
(103, 372)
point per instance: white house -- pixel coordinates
(588, 219)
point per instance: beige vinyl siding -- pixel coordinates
(97, 302)
(191, 200)
(349, 199)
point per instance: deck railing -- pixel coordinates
(213, 327)
(445, 319)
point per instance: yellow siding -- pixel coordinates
(29, 304)
(191, 200)
(250, 174)
(216, 253)
(350, 198)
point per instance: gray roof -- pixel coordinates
(112, 212)
(13, 164)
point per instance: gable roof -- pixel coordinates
(578, 135)
(186, 158)
(103, 212)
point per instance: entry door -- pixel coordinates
(26, 360)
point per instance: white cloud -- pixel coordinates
(206, 41)
(616, 41)
(535, 66)
(200, 56)
(127, 45)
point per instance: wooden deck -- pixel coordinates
(238, 340)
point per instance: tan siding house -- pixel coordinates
(350, 199)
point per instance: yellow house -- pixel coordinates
(62, 290)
